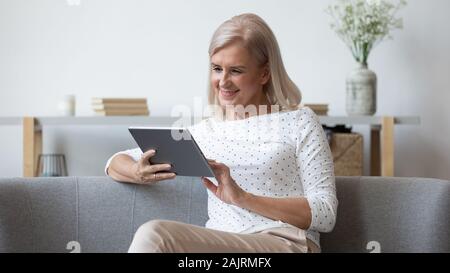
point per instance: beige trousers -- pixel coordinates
(158, 236)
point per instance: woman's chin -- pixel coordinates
(227, 102)
(224, 104)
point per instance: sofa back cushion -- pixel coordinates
(45, 214)
(374, 213)
(390, 215)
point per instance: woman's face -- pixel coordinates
(236, 77)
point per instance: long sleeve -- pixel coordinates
(317, 172)
(133, 153)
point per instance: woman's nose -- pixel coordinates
(224, 80)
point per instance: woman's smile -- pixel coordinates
(228, 94)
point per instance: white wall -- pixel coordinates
(158, 50)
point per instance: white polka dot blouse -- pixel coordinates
(282, 154)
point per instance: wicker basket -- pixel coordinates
(347, 150)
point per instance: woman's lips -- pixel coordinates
(228, 94)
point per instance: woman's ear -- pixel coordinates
(265, 76)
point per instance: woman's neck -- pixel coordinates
(240, 112)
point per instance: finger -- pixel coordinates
(209, 185)
(164, 176)
(213, 160)
(155, 177)
(217, 166)
(215, 169)
(158, 168)
(216, 163)
(145, 158)
(213, 164)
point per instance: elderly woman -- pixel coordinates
(274, 185)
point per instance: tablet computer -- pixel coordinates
(175, 146)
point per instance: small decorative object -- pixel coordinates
(66, 105)
(50, 165)
(362, 24)
(361, 98)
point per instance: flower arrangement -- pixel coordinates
(362, 24)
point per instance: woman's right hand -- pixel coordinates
(146, 173)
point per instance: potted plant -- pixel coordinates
(362, 24)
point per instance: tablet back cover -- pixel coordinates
(173, 146)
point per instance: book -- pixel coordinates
(320, 109)
(321, 113)
(317, 106)
(118, 100)
(122, 112)
(118, 106)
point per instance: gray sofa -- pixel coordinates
(101, 215)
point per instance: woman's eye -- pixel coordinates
(217, 69)
(236, 71)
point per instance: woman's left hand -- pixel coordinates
(227, 189)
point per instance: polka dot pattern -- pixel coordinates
(276, 155)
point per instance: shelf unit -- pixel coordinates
(381, 134)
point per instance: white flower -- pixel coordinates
(374, 2)
(362, 24)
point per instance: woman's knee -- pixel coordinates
(153, 226)
(153, 236)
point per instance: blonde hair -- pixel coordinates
(260, 41)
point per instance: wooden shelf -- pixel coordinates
(167, 121)
(11, 121)
(381, 135)
(366, 120)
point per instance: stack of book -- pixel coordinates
(120, 106)
(320, 109)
